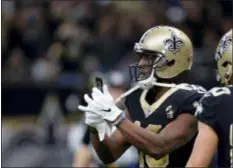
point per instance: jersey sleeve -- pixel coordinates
(207, 109)
(189, 104)
(189, 96)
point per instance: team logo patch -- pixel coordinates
(174, 43)
(169, 112)
(223, 46)
(199, 109)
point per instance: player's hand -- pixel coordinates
(97, 122)
(103, 104)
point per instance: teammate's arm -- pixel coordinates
(83, 155)
(204, 147)
(174, 135)
(111, 148)
(207, 139)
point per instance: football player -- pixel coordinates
(215, 114)
(160, 116)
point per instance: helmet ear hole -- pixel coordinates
(171, 63)
(224, 64)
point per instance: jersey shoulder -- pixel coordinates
(186, 97)
(187, 91)
(216, 96)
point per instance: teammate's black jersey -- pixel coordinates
(216, 110)
(86, 137)
(156, 116)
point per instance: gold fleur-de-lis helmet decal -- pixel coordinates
(174, 43)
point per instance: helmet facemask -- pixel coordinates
(227, 76)
(156, 61)
(137, 73)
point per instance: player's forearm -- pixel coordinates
(202, 153)
(156, 145)
(82, 157)
(198, 162)
(110, 149)
(147, 141)
(103, 149)
(200, 157)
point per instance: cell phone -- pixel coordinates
(99, 83)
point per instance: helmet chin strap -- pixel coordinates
(146, 84)
(152, 81)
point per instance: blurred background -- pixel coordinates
(51, 50)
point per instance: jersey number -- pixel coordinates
(231, 144)
(198, 89)
(220, 91)
(150, 161)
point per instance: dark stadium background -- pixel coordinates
(51, 48)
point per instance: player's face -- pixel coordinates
(143, 69)
(145, 63)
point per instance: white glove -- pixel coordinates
(102, 127)
(103, 105)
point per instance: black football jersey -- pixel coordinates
(216, 110)
(86, 137)
(155, 116)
